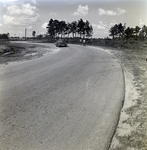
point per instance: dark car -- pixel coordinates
(61, 43)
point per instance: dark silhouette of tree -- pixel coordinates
(56, 28)
(51, 28)
(144, 31)
(84, 28)
(136, 30)
(8, 34)
(74, 28)
(33, 34)
(129, 32)
(4, 36)
(80, 27)
(67, 29)
(62, 25)
(40, 36)
(113, 31)
(120, 29)
(88, 30)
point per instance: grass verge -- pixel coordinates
(12, 52)
(131, 133)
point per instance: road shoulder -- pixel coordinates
(131, 129)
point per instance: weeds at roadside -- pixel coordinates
(11, 52)
(134, 60)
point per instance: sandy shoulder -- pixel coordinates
(24, 51)
(131, 130)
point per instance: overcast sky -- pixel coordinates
(16, 15)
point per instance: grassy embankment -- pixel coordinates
(12, 52)
(132, 129)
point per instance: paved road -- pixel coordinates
(69, 100)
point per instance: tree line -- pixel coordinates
(4, 36)
(120, 31)
(56, 28)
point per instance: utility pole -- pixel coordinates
(25, 33)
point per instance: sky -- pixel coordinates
(16, 15)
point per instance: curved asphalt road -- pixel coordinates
(69, 100)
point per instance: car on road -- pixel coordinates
(61, 43)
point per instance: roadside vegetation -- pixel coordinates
(13, 52)
(132, 128)
(56, 29)
(130, 47)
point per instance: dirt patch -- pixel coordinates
(131, 133)
(12, 52)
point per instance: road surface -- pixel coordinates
(69, 100)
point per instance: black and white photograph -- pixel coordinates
(73, 74)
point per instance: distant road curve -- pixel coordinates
(69, 100)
